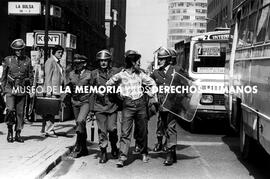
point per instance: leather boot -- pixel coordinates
(82, 146)
(169, 158)
(113, 139)
(10, 134)
(18, 137)
(103, 156)
(158, 146)
(174, 156)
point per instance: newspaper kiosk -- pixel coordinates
(36, 41)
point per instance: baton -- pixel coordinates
(92, 129)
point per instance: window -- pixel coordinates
(262, 24)
(209, 57)
(242, 32)
(200, 17)
(251, 28)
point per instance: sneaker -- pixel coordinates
(120, 163)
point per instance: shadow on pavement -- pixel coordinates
(34, 137)
(257, 164)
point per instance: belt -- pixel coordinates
(134, 100)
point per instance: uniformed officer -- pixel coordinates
(105, 107)
(166, 125)
(17, 74)
(80, 77)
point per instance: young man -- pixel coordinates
(104, 107)
(17, 73)
(166, 125)
(131, 79)
(54, 78)
(80, 76)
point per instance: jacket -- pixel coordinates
(106, 103)
(54, 77)
(16, 73)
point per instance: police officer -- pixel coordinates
(166, 125)
(105, 106)
(17, 74)
(80, 76)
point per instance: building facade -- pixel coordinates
(186, 18)
(219, 13)
(85, 19)
(117, 39)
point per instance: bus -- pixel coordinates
(248, 64)
(202, 58)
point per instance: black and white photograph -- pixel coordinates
(134, 89)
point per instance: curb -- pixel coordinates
(56, 161)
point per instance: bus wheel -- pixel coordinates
(245, 142)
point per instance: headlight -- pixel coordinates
(206, 99)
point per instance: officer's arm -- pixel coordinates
(114, 79)
(3, 79)
(148, 81)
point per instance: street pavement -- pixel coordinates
(209, 154)
(38, 154)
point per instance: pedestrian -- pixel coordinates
(166, 124)
(17, 74)
(105, 106)
(131, 79)
(54, 79)
(80, 77)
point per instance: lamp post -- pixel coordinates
(47, 14)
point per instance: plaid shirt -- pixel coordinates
(131, 84)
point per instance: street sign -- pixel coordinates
(55, 11)
(54, 38)
(24, 8)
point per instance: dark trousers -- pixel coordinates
(166, 126)
(16, 103)
(80, 110)
(133, 111)
(106, 123)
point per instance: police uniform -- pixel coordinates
(17, 74)
(166, 125)
(80, 105)
(105, 107)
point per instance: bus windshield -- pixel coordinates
(209, 57)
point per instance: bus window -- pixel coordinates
(209, 57)
(242, 32)
(261, 25)
(251, 28)
(268, 28)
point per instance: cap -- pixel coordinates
(79, 58)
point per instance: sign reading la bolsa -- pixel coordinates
(24, 8)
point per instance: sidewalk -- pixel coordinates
(38, 154)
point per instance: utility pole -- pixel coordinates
(47, 14)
